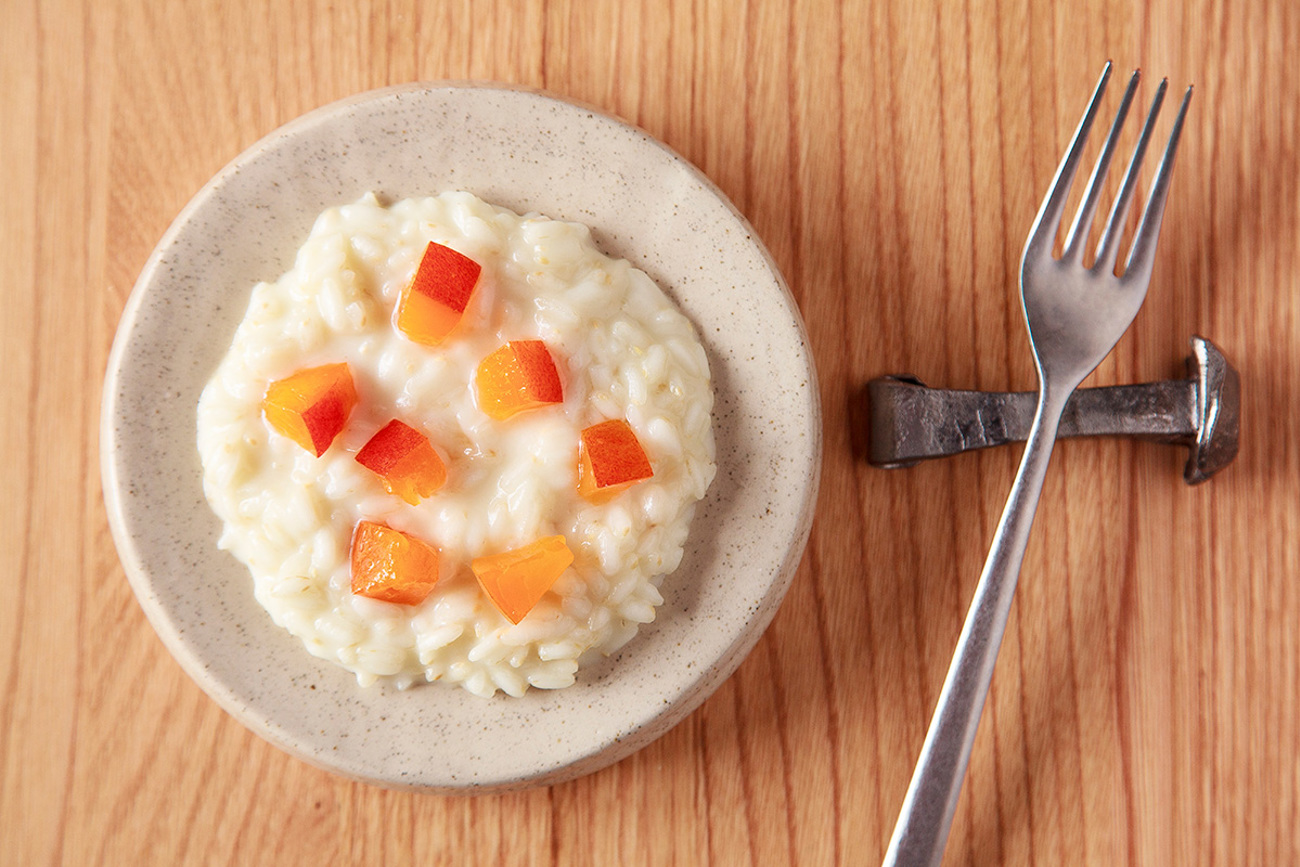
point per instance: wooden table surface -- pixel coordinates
(892, 155)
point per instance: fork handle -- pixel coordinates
(922, 830)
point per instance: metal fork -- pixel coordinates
(1075, 314)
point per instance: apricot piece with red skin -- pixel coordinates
(434, 301)
(516, 580)
(311, 406)
(610, 458)
(404, 460)
(519, 376)
(392, 566)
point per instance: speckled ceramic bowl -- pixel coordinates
(529, 152)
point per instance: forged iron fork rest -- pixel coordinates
(910, 422)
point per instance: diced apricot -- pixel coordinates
(520, 375)
(311, 406)
(433, 302)
(516, 580)
(610, 458)
(404, 461)
(392, 566)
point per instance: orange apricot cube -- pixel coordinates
(404, 461)
(520, 375)
(433, 302)
(311, 406)
(516, 580)
(610, 458)
(392, 566)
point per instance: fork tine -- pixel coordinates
(1043, 232)
(1142, 255)
(1108, 247)
(1078, 237)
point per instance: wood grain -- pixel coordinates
(891, 154)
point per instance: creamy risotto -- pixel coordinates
(622, 351)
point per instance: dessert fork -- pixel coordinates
(1075, 314)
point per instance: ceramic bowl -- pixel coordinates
(529, 152)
